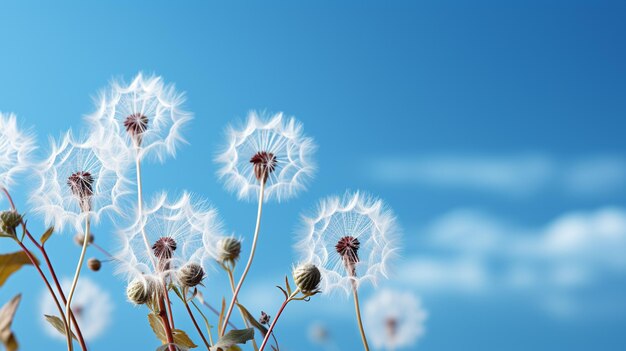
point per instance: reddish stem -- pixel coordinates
(208, 347)
(166, 325)
(271, 329)
(50, 268)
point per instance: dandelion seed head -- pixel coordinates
(395, 319)
(76, 182)
(146, 116)
(351, 239)
(16, 147)
(272, 150)
(180, 232)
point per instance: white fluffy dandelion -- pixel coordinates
(169, 239)
(16, 148)
(351, 240)
(92, 308)
(394, 319)
(273, 150)
(75, 182)
(145, 115)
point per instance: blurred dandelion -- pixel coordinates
(394, 319)
(92, 308)
(16, 147)
(270, 149)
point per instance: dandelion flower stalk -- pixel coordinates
(193, 319)
(231, 279)
(280, 311)
(68, 310)
(358, 316)
(252, 250)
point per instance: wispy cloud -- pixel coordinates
(469, 251)
(507, 175)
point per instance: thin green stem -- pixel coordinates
(145, 236)
(253, 249)
(206, 321)
(81, 259)
(245, 320)
(193, 319)
(358, 315)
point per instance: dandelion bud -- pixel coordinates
(265, 318)
(164, 249)
(9, 220)
(140, 291)
(79, 238)
(191, 275)
(264, 163)
(94, 264)
(307, 277)
(229, 249)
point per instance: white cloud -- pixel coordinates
(472, 252)
(507, 175)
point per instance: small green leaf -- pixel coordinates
(58, 324)
(11, 263)
(287, 285)
(253, 321)
(221, 317)
(45, 236)
(7, 337)
(233, 337)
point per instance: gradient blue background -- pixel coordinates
(372, 82)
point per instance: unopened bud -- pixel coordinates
(140, 291)
(191, 275)
(229, 249)
(9, 220)
(265, 318)
(307, 278)
(94, 264)
(79, 238)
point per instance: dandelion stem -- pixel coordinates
(245, 321)
(166, 325)
(245, 271)
(145, 236)
(33, 260)
(206, 321)
(68, 310)
(280, 311)
(193, 319)
(358, 315)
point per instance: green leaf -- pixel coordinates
(253, 321)
(11, 263)
(233, 337)
(45, 236)
(180, 337)
(287, 285)
(221, 317)
(6, 319)
(58, 324)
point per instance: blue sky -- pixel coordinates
(495, 130)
